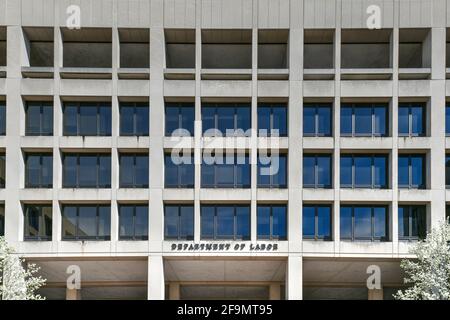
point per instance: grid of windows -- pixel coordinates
(317, 171)
(179, 222)
(39, 119)
(223, 222)
(37, 222)
(272, 171)
(86, 170)
(317, 222)
(317, 120)
(134, 119)
(272, 120)
(133, 222)
(227, 171)
(272, 222)
(86, 222)
(134, 172)
(364, 120)
(179, 172)
(411, 119)
(87, 118)
(180, 118)
(411, 171)
(364, 171)
(364, 223)
(38, 170)
(226, 119)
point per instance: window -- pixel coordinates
(87, 119)
(134, 170)
(272, 171)
(317, 222)
(317, 171)
(2, 220)
(411, 119)
(86, 170)
(272, 222)
(38, 170)
(447, 119)
(179, 222)
(133, 222)
(447, 214)
(38, 222)
(39, 119)
(2, 118)
(179, 175)
(412, 222)
(225, 222)
(223, 117)
(134, 119)
(234, 172)
(317, 120)
(364, 120)
(411, 171)
(180, 116)
(86, 222)
(272, 120)
(447, 171)
(364, 171)
(2, 170)
(364, 223)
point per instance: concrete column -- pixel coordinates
(294, 278)
(174, 291)
(156, 285)
(254, 146)
(73, 294)
(375, 294)
(274, 291)
(198, 127)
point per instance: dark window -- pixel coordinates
(223, 117)
(447, 119)
(134, 170)
(233, 172)
(38, 170)
(179, 172)
(411, 171)
(180, 116)
(86, 222)
(364, 120)
(133, 222)
(272, 120)
(179, 222)
(272, 222)
(317, 120)
(2, 220)
(134, 119)
(447, 171)
(2, 170)
(225, 222)
(364, 223)
(38, 222)
(2, 118)
(87, 119)
(39, 119)
(317, 171)
(412, 222)
(317, 222)
(86, 170)
(364, 171)
(447, 214)
(411, 119)
(272, 171)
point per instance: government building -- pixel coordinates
(328, 123)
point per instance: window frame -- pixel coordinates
(316, 236)
(2, 170)
(2, 219)
(410, 176)
(133, 237)
(372, 238)
(372, 170)
(39, 237)
(78, 105)
(97, 222)
(317, 185)
(424, 119)
(179, 221)
(42, 105)
(235, 165)
(372, 107)
(135, 106)
(273, 106)
(134, 185)
(235, 107)
(271, 236)
(410, 237)
(179, 185)
(40, 185)
(2, 118)
(77, 184)
(316, 107)
(179, 107)
(271, 184)
(215, 236)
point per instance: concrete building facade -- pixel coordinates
(296, 53)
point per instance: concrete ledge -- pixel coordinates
(36, 142)
(179, 88)
(414, 88)
(133, 88)
(36, 195)
(37, 87)
(226, 88)
(86, 195)
(369, 143)
(414, 142)
(273, 74)
(37, 72)
(134, 73)
(179, 74)
(317, 247)
(318, 143)
(414, 195)
(135, 194)
(362, 248)
(365, 195)
(272, 195)
(324, 195)
(319, 74)
(225, 195)
(88, 87)
(414, 73)
(226, 74)
(77, 142)
(323, 88)
(85, 73)
(366, 88)
(133, 142)
(178, 195)
(2, 86)
(178, 142)
(366, 74)
(273, 88)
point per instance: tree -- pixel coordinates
(16, 282)
(428, 275)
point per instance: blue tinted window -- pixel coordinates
(447, 171)
(39, 119)
(179, 174)
(364, 120)
(225, 222)
(411, 121)
(2, 118)
(309, 168)
(134, 119)
(87, 119)
(272, 171)
(346, 120)
(403, 120)
(346, 222)
(317, 171)
(133, 222)
(272, 120)
(317, 222)
(411, 171)
(180, 116)
(317, 120)
(226, 117)
(134, 172)
(364, 223)
(379, 120)
(87, 171)
(364, 171)
(39, 171)
(37, 222)
(272, 222)
(346, 171)
(229, 171)
(179, 222)
(447, 119)
(86, 222)
(412, 223)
